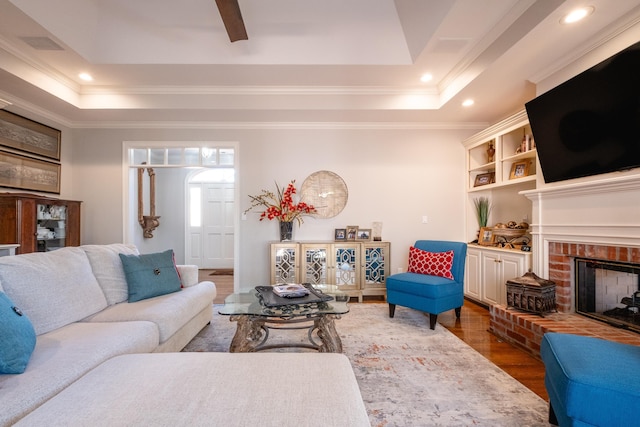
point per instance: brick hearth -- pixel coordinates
(526, 329)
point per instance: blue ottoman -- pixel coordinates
(590, 381)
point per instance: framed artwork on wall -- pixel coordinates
(20, 133)
(26, 173)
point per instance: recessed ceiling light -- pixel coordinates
(577, 15)
(427, 77)
(86, 77)
(468, 102)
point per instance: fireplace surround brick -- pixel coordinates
(525, 330)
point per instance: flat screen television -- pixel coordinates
(590, 124)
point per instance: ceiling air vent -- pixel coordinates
(41, 43)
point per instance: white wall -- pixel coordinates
(394, 176)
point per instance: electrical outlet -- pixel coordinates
(399, 270)
(425, 219)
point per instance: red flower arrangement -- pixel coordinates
(280, 205)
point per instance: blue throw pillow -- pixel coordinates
(17, 338)
(150, 275)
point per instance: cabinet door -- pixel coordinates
(346, 265)
(285, 263)
(472, 275)
(316, 263)
(376, 265)
(491, 278)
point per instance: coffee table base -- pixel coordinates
(252, 332)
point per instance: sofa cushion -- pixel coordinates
(590, 380)
(414, 284)
(150, 275)
(18, 337)
(169, 312)
(211, 389)
(52, 288)
(107, 267)
(431, 263)
(63, 356)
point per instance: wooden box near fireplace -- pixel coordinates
(531, 293)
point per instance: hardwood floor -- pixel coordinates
(472, 328)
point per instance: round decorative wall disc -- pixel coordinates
(326, 191)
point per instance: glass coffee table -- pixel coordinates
(255, 319)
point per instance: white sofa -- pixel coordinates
(76, 299)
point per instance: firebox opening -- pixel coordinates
(608, 291)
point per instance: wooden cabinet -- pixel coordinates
(357, 268)
(488, 270)
(38, 223)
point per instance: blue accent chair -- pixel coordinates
(591, 381)
(431, 294)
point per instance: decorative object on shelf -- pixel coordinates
(484, 179)
(286, 230)
(281, 206)
(519, 169)
(483, 209)
(485, 238)
(340, 234)
(152, 221)
(327, 191)
(511, 235)
(20, 133)
(491, 152)
(376, 231)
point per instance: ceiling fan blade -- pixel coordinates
(232, 18)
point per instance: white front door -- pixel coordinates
(210, 231)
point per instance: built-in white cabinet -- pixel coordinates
(357, 268)
(501, 163)
(488, 270)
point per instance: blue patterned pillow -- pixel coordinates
(18, 338)
(150, 275)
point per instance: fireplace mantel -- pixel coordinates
(603, 212)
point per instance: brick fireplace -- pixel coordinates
(593, 219)
(561, 260)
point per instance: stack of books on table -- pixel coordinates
(290, 290)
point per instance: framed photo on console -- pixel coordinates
(485, 238)
(352, 231)
(364, 234)
(340, 234)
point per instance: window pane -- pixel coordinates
(192, 156)
(174, 156)
(157, 156)
(139, 156)
(195, 218)
(209, 156)
(226, 156)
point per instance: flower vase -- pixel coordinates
(286, 230)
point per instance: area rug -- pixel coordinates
(410, 375)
